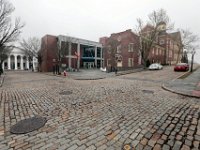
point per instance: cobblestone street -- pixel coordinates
(129, 111)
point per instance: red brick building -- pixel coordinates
(167, 47)
(70, 52)
(120, 50)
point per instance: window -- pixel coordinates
(119, 49)
(130, 47)
(119, 38)
(170, 53)
(130, 62)
(98, 52)
(109, 49)
(162, 41)
(156, 51)
(160, 53)
(108, 62)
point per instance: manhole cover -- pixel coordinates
(28, 125)
(65, 93)
(148, 91)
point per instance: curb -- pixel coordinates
(181, 75)
(74, 78)
(177, 92)
(55, 75)
(124, 73)
(89, 78)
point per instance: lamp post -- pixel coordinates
(77, 59)
(192, 60)
(54, 63)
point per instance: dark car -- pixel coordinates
(181, 67)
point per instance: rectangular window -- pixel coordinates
(162, 41)
(153, 51)
(170, 53)
(119, 49)
(156, 51)
(108, 62)
(130, 62)
(98, 52)
(109, 49)
(130, 47)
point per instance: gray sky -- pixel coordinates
(91, 19)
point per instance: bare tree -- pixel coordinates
(149, 31)
(184, 58)
(189, 43)
(189, 40)
(9, 32)
(111, 49)
(63, 50)
(31, 48)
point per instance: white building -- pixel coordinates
(17, 60)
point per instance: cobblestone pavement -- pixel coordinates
(113, 113)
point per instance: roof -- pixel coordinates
(175, 36)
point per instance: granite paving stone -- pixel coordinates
(98, 114)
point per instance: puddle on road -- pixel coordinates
(148, 91)
(65, 93)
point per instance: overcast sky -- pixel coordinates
(91, 19)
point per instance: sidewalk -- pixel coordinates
(190, 86)
(94, 74)
(85, 74)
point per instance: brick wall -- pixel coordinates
(48, 50)
(124, 39)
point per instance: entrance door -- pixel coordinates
(88, 65)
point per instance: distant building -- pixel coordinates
(120, 50)
(76, 53)
(17, 60)
(167, 47)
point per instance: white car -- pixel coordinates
(103, 69)
(155, 66)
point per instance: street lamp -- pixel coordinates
(54, 67)
(192, 60)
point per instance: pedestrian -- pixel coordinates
(116, 70)
(53, 69)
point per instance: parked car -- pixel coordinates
(103, 69)
(181, 67)
(155, 66)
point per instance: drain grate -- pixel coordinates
(65, 93)
(148, 91)
(28, 125)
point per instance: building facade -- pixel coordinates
(70, 53)
(166, 49)
(120, 50)
(17, 60)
